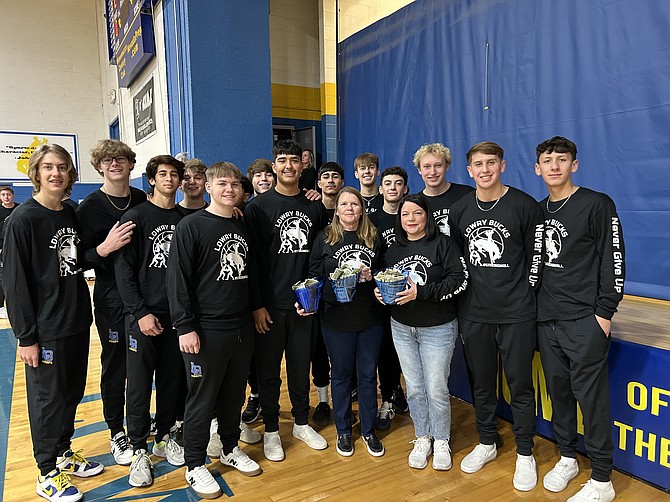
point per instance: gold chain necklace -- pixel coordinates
(112, 202)
(561, 206)
(494, 204)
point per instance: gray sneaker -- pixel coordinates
(169, 449)
(141, 470)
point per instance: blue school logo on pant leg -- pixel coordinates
(132, 343)
(196, 370)
(47, 356)
(113, 336)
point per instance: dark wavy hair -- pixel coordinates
(431, 226)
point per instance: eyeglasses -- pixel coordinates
(120, 159)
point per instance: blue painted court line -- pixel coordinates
(7, 363)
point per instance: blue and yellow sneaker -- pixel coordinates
(73, 463)
(56, 487)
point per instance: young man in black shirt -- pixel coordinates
(141, 269)
(393, 187)
(433, 161)
(101, 237)
(50, 313)
(193, 186)
(582, 285)
(212, 290)
(366, 171)
(8, 205)
(283, 224)
(499, 229)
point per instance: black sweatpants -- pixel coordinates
(110, 322)
(253, 375)
(516, 344)
(54, 390)
(294, 335)
(320, 361)
(147, 355)
(389, 364)
(574, 357)
(216, 379)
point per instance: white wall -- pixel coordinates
(358, 14)
(51, 72)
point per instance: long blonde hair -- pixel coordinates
(366, 231)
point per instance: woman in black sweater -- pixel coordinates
(424, 325)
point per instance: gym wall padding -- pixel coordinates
(517, 72)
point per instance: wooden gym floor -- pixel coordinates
(306, 474)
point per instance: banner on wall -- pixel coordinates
(16, 147)
(144, 112)
(639, 404)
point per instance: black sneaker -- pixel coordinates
(375, 446)
(252, 411)
(398, 400)
(345, 446)
(321, 416)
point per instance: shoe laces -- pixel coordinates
(421, 444)
(590, 491)
(561, 469)
(172, 446)
(480, 452)
(142, 456)
(201, 474)
(77, 457)
(386, 411)
(441, 447)
(62, 481)
(121, 442)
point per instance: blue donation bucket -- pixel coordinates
(345, 287)
(309, 296)
(389, 289)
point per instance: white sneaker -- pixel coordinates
(121, 450)
(525, 474)
(310, 437)
(423, 448)
(141, 470)
(594, 491)
(478, 457)
(441, 455)
(56, 487)
(557, 479)
(73, 463)
(272, 447)
(249, 435)
(169, 449)
(241, 461)
(3, 313)
(203, 483)
(214, 446)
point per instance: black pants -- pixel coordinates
(54, 390)
(574, 357)
(515, 343)
(320, 361)
(253, 376)
(294, 335)
(389, 365)
(216, 379)
(110, 322)
(146, 355)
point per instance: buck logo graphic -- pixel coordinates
(161, 237)
(47, 356)
(554, 233)
(389, 236)
(354, 255)
(442, 220)
(196, 370)
(233, 258)
(132, 343)
(65, 243)
(113, 336)
(293, 232)
(486, 243)
(417, 267)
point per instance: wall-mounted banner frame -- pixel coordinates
(16, 147)
(144, 112)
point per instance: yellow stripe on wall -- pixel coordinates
(303, 103)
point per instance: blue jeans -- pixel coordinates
(425, 358)
(346, 349)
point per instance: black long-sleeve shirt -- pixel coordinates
(584, 258)
(364, 309)
(209, 274)
(282, 229)
(97, 216)
(441, 204)
(4, 214)
(141, 265)
(502, 245)
(439, 271)
(47, 296)
(385, 223)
